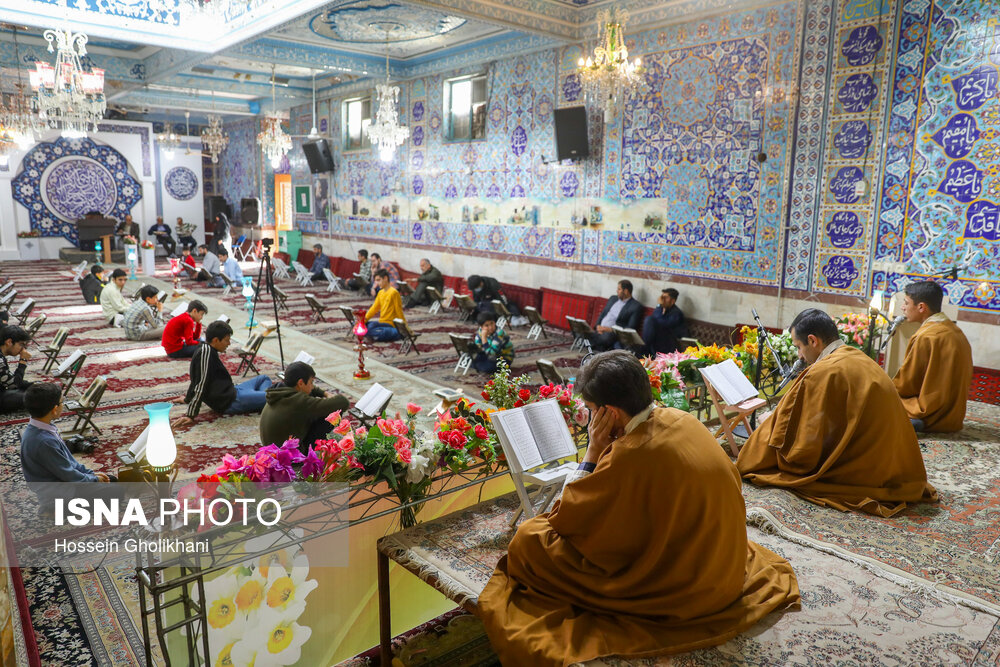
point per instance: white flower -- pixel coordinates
(422, 462)
(276, 639)
(289, 587)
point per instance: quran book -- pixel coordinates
(138, 448)
(628, 336)
(728, 380)
(161, 296)
(304, 357)
(69, 361)
(181, 308)
(374, 401)
(449, 394)
(24, 306)
(222, 318)
(533, 435)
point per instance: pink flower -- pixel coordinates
(342, 428)
(234, 466)
(481, 432)
(402, 443)
(354, 463)
(347, 444)
(582, 416)
(392, 426)
(404, 455)
(546, 390)
(361, 433)
(333, 418)
(412, 409)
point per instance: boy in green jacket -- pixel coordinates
(297, 409)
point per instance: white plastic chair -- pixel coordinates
(280, 268)
(333, 283)
(302, 274)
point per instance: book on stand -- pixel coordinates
(730, 382)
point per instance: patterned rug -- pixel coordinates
(954, 544)
(849, 615)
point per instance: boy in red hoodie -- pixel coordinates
(181, 334)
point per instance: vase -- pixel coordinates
(29, 248)
(148, 261)
(161, 449)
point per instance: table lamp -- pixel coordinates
(132, 259)
(248, 295)
(360, 330)
(161, 449)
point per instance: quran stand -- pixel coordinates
(69, 375)
(727, 423)
(349, 314)
(549, 482)
(317, 309)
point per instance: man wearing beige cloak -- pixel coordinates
(937, 369)
(839, 437)
(646, 553)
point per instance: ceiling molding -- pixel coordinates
(547, 18)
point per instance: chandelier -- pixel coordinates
(169, 141)
(212, 137)
(18, 124)
(609, 74)
(68, 98)
(386, 133)
(274, 142)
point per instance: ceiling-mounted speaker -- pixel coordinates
(571, 133)
(318, 156)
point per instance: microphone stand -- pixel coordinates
(873, 315)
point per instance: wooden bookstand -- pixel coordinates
(727, 423)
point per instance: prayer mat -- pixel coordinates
(952, 546)
(849, 614)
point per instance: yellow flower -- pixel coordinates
(250, 595)
(221, 612)
(281, 592)
(225, 658)
(280, 638)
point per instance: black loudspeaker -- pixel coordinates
(318, 156)
(215, 205)
(571, 133)
(250, 211)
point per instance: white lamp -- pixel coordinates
(161, 449)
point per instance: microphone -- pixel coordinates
(793, 373)
(763, 339)
(890, 331)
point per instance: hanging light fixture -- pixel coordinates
(169, 141)
(68, 97)
(212, 137)
(274, 142)
(386, 133)
(609, 75)
(21, 125)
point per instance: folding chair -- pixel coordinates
(302, 275)
(581, 333)
(7, 299)
(52, 350)
(537, 323)
(69, 373)
(279, 296)
(466, 307)
(503, 315)
(229, 285)
(80, 271)
(84, 408)
(237, 248)
(34, 326)
(6, 286)
(22, 313)
(549, 372)
(280, 268)
(349, 315)
(409, 338)
(437, 301)
(317, 308)
(333, 283)
(248, 354)
(463, 345)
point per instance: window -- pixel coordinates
(465, 100)
(357, 118)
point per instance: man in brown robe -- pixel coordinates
(646, 552)
(937, 369)
(839, 436)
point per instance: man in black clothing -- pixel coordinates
(212, 384)
(92, 284)
(429, 277)
(127, 227)
(484, 291)
(621, 310)
(665, 325)
(163, 237)
(13, 340)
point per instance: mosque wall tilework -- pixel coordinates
(239, 175)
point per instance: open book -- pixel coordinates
(533, 435)
(25, 306)
(628, 337)
(222, 318)
(304, 357)
(374, 401)
(161, 296)
(181, 308)
(69, 362)
(728, 380)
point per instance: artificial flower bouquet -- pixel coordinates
(854, 329)
(130, 240)
(30, 234)
(665, 379)
(147, 245)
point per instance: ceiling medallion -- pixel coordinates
(385, 132)
(609, 75)
(68, 97)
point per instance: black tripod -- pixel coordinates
(269, 284)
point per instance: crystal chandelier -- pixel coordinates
(19, 124)
(212, 137)
(169, 141)
(609, 74)
(274, 142)
(68, 98)
(386, 133)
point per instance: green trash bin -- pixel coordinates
(290, 242)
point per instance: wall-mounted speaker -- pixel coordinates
(571, 133)
(318, 156)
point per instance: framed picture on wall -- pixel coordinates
(303, 199)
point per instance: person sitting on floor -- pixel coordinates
(839, 436)
(113, 304)
(662, 329)
(492, 345)
(211, 267)
(646, 553)
(320, 262)
(162, 233)
(13, 343)
(298, 409)
(378, 264)
(92, 284)
(212, 384)
(188, 262)
(230, 267)
(937, 369)
(389, 305)
(44, 455)
(429, 277)
(143, 319)
(360, 281)
(185, 233)
(621, 310)
(182, 333)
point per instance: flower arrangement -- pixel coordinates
(854, 329)
(129, 240)
(147, 245)
(665, 379)
(30, 234)
(506, 392)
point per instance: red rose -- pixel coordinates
(457, 440)
(546, 390)
(518, 403)
(524, 394)
(485, 396)
(460, 424)
(481, 432)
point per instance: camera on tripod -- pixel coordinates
(268, 242)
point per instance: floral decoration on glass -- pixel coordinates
(32, 234)
(147, 245)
